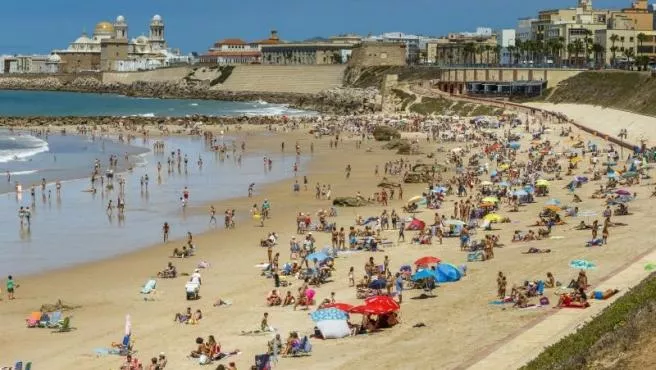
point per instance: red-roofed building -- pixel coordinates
(237, 51)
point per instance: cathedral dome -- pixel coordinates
(104, 28)
(120, 19)
(157, 18)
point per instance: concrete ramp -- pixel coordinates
(268, 78)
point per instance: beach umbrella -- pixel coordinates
(383, 301)
(587, 213)
(440, 189)
(622, 192)
(320, 256)
(520, 193)
(553, 208)
(542, 182)
(405, 268)
(493, 217)
(366, 309)
(575, 160)
(581, 179)
(428, 260)
(490, 200)
(629, 174)
(504, 167)
(581, 264)
(447, 272)
(553, 202)
(486, 183)
(454, 222)
(328, 314)
(529, 189)
(514, 145)
(504, 184)
(424, 274)
(378, 284)
(340, 306)
(415, 199)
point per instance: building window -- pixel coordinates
(383, 55)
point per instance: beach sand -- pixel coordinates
(607, 120)
(461, 326)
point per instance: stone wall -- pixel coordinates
(378, 54)
(158, 75)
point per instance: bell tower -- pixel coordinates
(120, 28)
(586, 5)
(156, 37)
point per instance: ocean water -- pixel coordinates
(74, 228)
(50, 103)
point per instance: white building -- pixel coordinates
(506, 39)
(523, 30)
(24, 64)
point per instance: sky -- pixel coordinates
(38, 26)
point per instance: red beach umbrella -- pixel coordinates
(382, 302)
(428, 260)
(366, 309)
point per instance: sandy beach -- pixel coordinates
(461, 326)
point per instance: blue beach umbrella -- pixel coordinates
(320, 256)
(514, 145)
(328, 314)
(581, 265)
(424, 274)
(504, 184)
(378, 284)
(529, 189)
(520, 193)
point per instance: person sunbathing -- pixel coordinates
(529, 237)
(521, 300)
(292, 342)
(220, 302)
(582, 226)
(289, 299)
(182, 253)
(536, 251)
(183, 317)
(195, 318)
(551, 281)
(168, 272)
(274, 299)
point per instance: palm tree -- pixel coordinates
(487, 48)
(497, 52)
(570, 51)
(579, 47)
(598, 51)
(613, 48)
(519, 46)
(629, 53)
(480, 50)
(468, 51)
(642, 61)
(511, 52)
(641, 39)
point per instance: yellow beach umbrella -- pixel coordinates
(504, 167)
(542, 182)
(490, 200)
(493, 217)
(575, 160)
(415, 199)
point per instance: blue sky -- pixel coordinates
(37, 26)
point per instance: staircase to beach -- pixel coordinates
(275, 78)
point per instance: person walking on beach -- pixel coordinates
(165, 231)
(58, 187)
(110, 208)
(212, 215)
(21, 215)
(28, 215)
(401, 232)
(348, 171)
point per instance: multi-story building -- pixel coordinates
(464, 48)
(26, 64)
(620, 46)
(506, 40)
(306, 53)
(524, 27)
(238, 51)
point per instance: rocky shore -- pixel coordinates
(334, 101)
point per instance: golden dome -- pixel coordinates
(103, 28)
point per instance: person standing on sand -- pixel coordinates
(28, 216)
(401, 232)
(165, 232)
(11, 286)
(348, 171)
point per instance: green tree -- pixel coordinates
(497, 52)
(468, 51)
(642, 61)
(613, 48)
(570, 51)
(598, 52)
(511, 52)
(579, 47)
(629, 53)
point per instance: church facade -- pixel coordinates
(110, 49)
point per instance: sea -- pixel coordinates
(63, 226)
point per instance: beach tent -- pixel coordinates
(424, 274)
(416, 224)
(447, 272)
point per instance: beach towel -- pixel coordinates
(149, 286)
(575, 305)
(33, 320)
